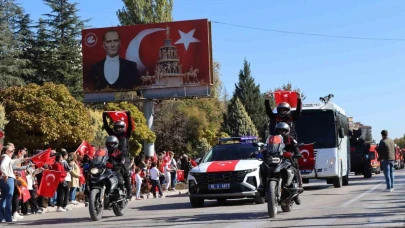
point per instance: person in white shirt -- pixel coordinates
(7, 182)
(154, 178)
(138, 181)
(113, 71)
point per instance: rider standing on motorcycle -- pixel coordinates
(283, 114)
(291, 145)
(118, 159)
(119, 130)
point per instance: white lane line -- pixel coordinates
(315, 222)
(360, 196)
(247, 224)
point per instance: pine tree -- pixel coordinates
(41, 53)
(63, 31)
(12, 66)
(145, 12)
(237, 121)
(249, 94)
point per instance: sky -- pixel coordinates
(365, 76)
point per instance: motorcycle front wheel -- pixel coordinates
(96, 208)
(120, 208)
(272, 204)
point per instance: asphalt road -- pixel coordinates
(361, 204)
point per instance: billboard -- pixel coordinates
(154, 61)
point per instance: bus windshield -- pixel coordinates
(228, 152)
(317, 126)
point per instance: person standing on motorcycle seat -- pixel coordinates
(291, 145)
(120, 130)
(118, 159)
(283, 114)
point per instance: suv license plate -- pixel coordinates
(219, 186)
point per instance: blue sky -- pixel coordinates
(366, 77)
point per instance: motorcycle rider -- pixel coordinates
(118, 159)
(120, 130)
(283, 114)
(291, 145)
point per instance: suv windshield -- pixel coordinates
(317, 126)
(228, 152)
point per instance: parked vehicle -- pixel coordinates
(374, 162)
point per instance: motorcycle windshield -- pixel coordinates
(276, 148)
(99, 160)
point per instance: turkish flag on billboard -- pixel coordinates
(120, 115)
(41, 158)
(86, 149)
(286, 96)
(308, 160)
(145, 54)
(49, 183)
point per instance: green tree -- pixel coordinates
(141, 133)
(45, 116)
(237, 121)
(145, 12)
(97, 126)
(11, 65)
(400, 142)
(63, 30)
(249, 94)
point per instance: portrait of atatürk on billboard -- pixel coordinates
(162, 60)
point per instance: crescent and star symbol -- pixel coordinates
(132, 52)
(187, 38)
(305, 157)
(53, 179)
(81, 149)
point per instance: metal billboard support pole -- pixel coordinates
(149, 148)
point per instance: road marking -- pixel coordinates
(391, 221)
(360, 196)
(246, 224)
(315, 222)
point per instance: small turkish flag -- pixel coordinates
(308, 160)
(25, 194)
(120, 115)
(49, 183)
(180, 175)
(286, 96)
(86, 149)
(41, 158)
(51, 160)
(1, 134)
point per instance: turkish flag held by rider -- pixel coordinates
(120, 115)
(286, 96)
(49, 183)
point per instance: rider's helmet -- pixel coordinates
(111, 143)
(119, 126)
(282, 129)
(283, 109)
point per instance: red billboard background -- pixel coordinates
(191, 39)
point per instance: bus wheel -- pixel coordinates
(338, 181)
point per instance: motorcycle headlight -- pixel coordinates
(94, 171)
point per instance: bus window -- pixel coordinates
(317, 126)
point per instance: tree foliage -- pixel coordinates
(400, 142)
(97, 126)
(145, 12)
(237, 121)
(12, 65)
(45, 116)
(249, 94)
(3, 120)
(141, 133)
(62, 37)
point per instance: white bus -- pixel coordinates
(325, 125)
